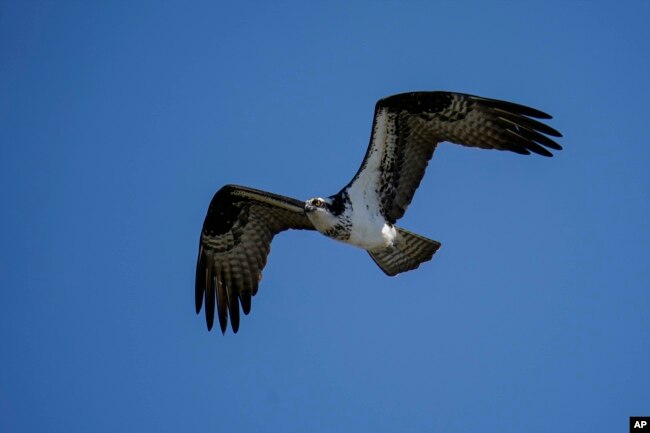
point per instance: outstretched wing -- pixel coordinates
(235, 242)
(407, 128)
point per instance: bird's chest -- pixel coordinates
(369, 229)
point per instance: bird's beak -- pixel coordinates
(309, 208)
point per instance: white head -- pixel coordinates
(320, 213)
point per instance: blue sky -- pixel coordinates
(119, 121)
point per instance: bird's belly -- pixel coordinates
(369, 230)
(372, 236)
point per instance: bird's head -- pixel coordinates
(318, 204)
(319, 211)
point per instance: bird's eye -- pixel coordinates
(318, 202)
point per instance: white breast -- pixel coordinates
(369, 228)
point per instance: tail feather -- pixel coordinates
(408, 252)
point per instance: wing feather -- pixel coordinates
(235, 242)
(222, 304)
(200, 280)
(407, 128)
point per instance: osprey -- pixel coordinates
(241, 222)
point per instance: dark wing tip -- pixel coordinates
(526, 133)
(519, 140)
(204, 287)
(200, 280)
(245, 298)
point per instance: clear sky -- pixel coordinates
(119, 121)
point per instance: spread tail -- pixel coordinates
(408, 252)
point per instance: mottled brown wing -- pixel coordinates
(235, 242)
(407, 128)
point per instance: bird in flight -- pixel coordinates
(241, 222)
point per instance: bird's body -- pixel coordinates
(241, 221)
(360, 224)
